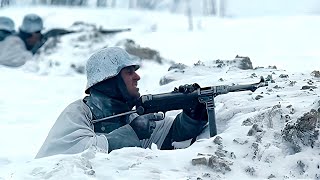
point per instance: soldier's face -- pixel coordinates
(131, 78)
(34, 39)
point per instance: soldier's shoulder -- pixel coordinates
(13, 39)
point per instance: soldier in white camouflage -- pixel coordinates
(16, 50)
(112, 89)
(7, 27)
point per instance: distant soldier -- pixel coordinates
(17, 50)
(30, 30)
(6, 27)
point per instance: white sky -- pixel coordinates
(32, 100)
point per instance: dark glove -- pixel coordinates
(144, 125)
(197, 110)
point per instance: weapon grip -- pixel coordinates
(140, 110)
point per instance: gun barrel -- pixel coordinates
(112, 31)
(248, 87)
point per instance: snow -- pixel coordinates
(250, 143)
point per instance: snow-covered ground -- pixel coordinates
(263, 134)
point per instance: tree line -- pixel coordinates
(209, 7)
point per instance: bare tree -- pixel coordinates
(148, 4)
(44, 2)
(213, 7)
(189, 15)
(209, 7)
(78, 2)
(175, 5)
(205, 7)
(58, 2)
(222, 8)
(5, 3)
(114, 3)
(132, 4)
(101, 3)
(69, 2)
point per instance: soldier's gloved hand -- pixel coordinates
(187, 88)
(197, 110)
(144, 125)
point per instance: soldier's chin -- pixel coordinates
(136, 95)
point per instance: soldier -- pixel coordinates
(6, 27)
(30, 30)
(112, 89)
(16, 50)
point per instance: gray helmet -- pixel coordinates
(6, 24)
(107, 63)
(31, 23)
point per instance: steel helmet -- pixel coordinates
(107, 63)
(6, 24)
(31, 23)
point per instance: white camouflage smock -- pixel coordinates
(13, 52)
(73, 132)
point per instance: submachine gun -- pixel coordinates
(153, 103)
(57, 32)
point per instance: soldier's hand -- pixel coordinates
(187, 88)
(145, 124)
(197, 110)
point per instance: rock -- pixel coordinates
(78, 68)
(199, 63)
(284, 76)
(301, 167)
(247, 122)
(253, 75)
(165, 80)
(218, 140)
(277, 87)
(240, 62)
(178, 66)
(303, 132)
(258, 67)
(269, 78)
(255, 128)
(258, 97)
(142, 52)
(315, 74)
(271, 176)
(199, 161)
(308, 87)
(310, 82)
(245, 62)
(250, 170)
(219, 164)
(292, 83)
(240, 141)
(220, 153)
(272, 67)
